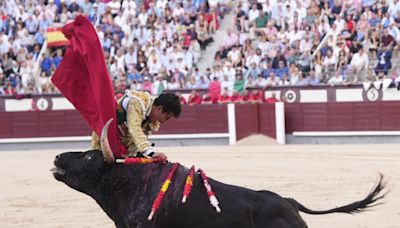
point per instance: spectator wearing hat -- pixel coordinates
(159, 85)
(147, 85)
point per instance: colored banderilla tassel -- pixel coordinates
(211, 195)
(163, 190)
(129, 161)
(188, 184)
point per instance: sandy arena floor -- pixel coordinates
(320, 177)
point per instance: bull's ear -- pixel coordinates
(105, 146)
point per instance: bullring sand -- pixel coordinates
(318, 176)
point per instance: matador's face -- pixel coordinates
(158, 114)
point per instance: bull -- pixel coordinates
(126, 194)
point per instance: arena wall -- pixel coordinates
(315, 115)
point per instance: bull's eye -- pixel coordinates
(88, 158)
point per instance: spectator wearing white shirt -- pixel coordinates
(394, 31)
(181, 65)
(154, 65)
(235, 55)
(272, 80)
(143, 16)
(173, 84)
(249, 83)
(129, 7)
(130, 57)
(228, 84)
(162, 4)
(295, 35)
(337, 79)
(260, 81)
(252, 58)
(360, 63)
(229, 71)
(394, 6)
(340, 23)
(179, 11)
(253, 13)
(387, 21)
(188, 58)
(229, 39)
(213, 3)
(115, 6)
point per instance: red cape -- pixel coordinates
(83, 79)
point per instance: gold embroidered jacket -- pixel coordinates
(137, 107)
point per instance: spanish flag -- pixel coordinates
(55, 37)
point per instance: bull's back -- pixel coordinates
(242, 207)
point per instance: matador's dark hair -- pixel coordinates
(170, 103)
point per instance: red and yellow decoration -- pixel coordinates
(188, 184)
(131, 161)
(55, 37)
(163, 190)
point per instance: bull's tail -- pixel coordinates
(370, 201)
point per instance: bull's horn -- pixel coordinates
(105, 146)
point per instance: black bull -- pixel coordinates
(126, 194)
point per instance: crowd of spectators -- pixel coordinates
(22, 34)
(148, 45)
(311, 42)
(156, 45)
